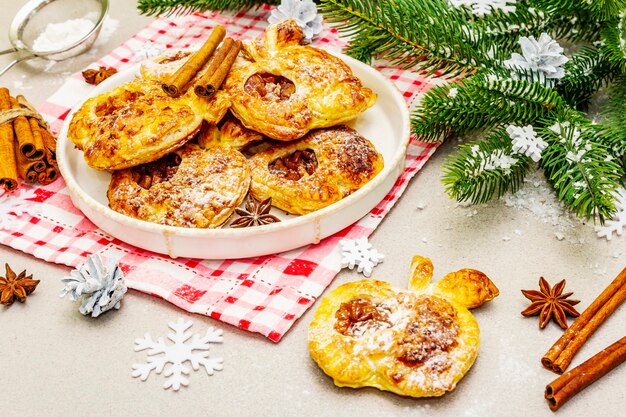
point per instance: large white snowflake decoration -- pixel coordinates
(618, 222)
(526, 141)
(484, 7)
(359, 253)
(175, 355)
(14, 205)
(304, 12)
(542, 57)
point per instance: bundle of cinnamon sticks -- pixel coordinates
(27, 148)
(214, 74)
(562, 352)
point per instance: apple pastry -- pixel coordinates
(418, 342)
(283, 89)
(190, 187)
(319, 169)
(138, 122)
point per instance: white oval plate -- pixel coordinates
(386, 125)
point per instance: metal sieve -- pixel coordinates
(32, 19)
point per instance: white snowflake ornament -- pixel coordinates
(481, 8)
(196, 352)
(525, 141)
(542, 57)
(618, 222)
(14, 205)
(304, 12)
(100, 287)
(359, 253)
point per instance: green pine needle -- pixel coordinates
(586, 71)
(576, 164)
(178, 7)
(485, 169)
(614, 136)
(482, 102)
(422, 35)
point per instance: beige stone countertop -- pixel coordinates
(56, 362)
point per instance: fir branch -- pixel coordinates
(614, 136)
(422, 35)
(178, 7)
(596, 9)
(614, 41)
(576, 164)
(482, 102)
(587, 71)
(484, 169)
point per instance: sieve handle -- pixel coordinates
(8, 51)
(15, 61)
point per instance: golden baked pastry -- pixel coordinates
(163, 66)
(191, 187)
(283, 89)
(230, 132)
(319, 169)
(137, 123)
(418, 343)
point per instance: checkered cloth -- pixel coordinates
(266, 294)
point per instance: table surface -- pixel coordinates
(56, 362)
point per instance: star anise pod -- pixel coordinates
(255, 213)
(95, 77)
(550, 303)
(16, 286)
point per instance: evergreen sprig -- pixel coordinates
(482, 170)
(482, 102)
(177, 7)
(422, 35)
(615, 123)
(576, 164)
(586, 71)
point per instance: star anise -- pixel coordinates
(16, 286)
(95, 77)
(550, 303)
(255, 213)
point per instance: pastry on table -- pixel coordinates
(162, 66)
(230, 132)
(418, 342)
(283, 89)
(138, 122)
(190, 187)
(319, 169)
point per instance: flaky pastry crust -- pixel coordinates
(418, 342)
(202, 191)
(137, 123)
(342, 162)
(324, 91)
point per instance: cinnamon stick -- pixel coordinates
(572, 382)
(212, 80)
(218, 58)
(28, 169)
(562, 352)
(50, 147)
(26, 138)
(190, 68)
(8, 167)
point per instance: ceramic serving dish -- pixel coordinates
(386, 125)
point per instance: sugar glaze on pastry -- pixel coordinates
(191, 187)
(418, 342)
(283, 89)
(319, 169)
(137, 123)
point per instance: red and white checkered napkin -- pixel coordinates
(265, 294)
